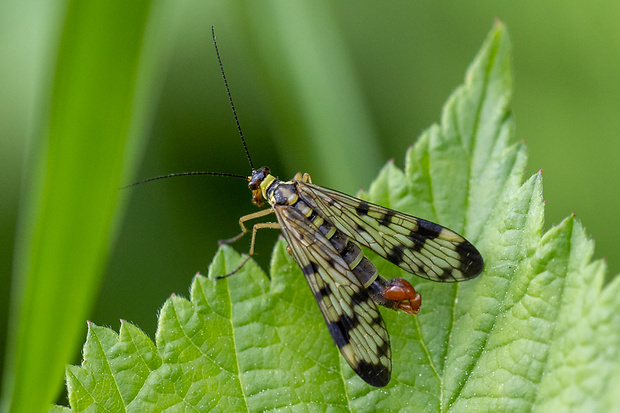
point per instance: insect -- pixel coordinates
(324, 230)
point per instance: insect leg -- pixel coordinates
(244, 230)
(255, 228)
(272, 225)
(303, 178)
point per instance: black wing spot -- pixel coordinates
(472, 263)
(373, 374)
(384, 348)
(446, 275)
(395, 255)
(310, 269)
(340, 336)
(428, 229)
(358, 297)
(340, 329)
(418, 240)
(386, 219)
(349, 322)
(362, 208)
(324, 291)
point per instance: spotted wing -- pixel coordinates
(414, 244)
(353, 320)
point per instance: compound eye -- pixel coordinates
(258, 176)
(255, 180)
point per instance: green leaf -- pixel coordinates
(537, 331)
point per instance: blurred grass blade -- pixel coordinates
(69, 206)
(315, 91)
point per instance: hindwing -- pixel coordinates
(353, 319)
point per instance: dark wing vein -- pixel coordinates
(352, 318)
(414, 244)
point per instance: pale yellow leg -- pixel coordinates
(303, 178)
(255, 228)
(272, 225)
(244, 230)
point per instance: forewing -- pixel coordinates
(414, 244)
(352, 318)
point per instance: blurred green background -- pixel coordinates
(330, 88)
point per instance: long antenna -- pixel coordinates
(232, 105)
(245, 178)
